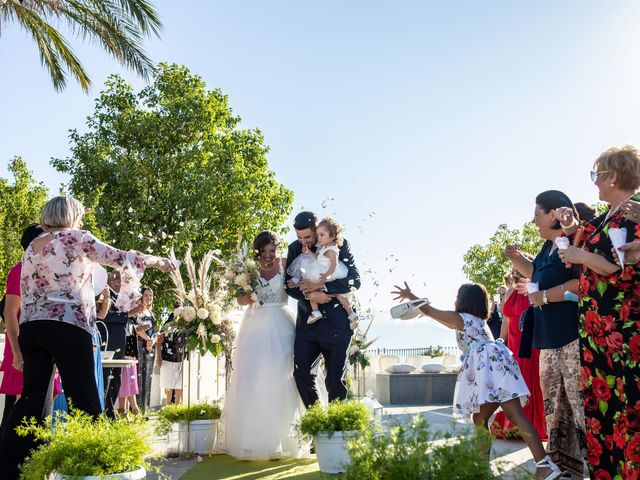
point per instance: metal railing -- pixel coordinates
(407, 352)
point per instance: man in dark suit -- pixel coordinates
(329, 337)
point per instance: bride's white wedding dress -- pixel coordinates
(263, 404)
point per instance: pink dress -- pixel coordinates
(501, 427)
(12, 378)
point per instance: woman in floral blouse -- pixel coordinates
(610, 322)
(58, 316)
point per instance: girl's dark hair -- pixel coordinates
(552, 199)
(263, 239)
(474, 300)
(30, 233)
(586, 212)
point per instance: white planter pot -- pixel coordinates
(332, 452)
(133, 475)
(197, 437)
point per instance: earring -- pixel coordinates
(612, 185)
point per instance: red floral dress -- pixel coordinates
(610, 356)
(501, 427)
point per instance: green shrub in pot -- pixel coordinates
(338, 416)
(76, 445)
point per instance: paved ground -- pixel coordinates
(513, 455)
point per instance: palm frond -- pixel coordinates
(144, 13)
(118, 35)
(55, 53)
(118, 26)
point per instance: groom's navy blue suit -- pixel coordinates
(329, 337)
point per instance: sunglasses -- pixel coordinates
(594, 175)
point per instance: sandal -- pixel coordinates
(546, 462)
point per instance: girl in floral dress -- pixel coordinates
(490, 377)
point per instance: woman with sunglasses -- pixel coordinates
(610, 320)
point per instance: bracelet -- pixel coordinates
(562, 285)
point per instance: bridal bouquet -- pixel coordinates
(202, 311)
(242, 273)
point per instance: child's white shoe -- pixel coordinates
(353, 321)
(314, 317)
(546, 462)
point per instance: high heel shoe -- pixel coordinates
(546, 462)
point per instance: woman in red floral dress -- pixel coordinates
(514, 306)
(610, 322)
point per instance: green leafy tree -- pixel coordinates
(118, 26)
(20, 205)
(487, 264)
(169, 165)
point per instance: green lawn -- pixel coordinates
(219, 467)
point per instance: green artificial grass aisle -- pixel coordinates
(219, 467)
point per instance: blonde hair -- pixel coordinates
(63, 211)
(625, 161)
(333, 227)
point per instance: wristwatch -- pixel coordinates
(545, 300)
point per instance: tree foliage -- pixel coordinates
(118, 26)
(487, 264)
(20, 205)
(169, 165)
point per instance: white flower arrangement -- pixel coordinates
(210, 333)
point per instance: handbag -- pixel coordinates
(408, 310)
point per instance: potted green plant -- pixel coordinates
(412, 451)
(330, 428)
(194, 425)
(74, 445)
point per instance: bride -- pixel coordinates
(263, 404)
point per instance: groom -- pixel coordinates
(329, 337)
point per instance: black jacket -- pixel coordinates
(333, 312)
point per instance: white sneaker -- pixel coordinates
(314, 317)
(546, 462)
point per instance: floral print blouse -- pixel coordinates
(57, 282)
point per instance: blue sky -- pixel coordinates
(428, 123)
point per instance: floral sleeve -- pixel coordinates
(130, 264)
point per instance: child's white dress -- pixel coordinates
(310, 267)
(489, 374)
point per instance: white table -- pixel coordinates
(119, 363)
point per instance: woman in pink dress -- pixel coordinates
(514, 306)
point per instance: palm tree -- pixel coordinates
(119, 26)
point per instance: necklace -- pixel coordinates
(267, 267)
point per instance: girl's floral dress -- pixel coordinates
(489, 374)
(57, 282)
(610, 356)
